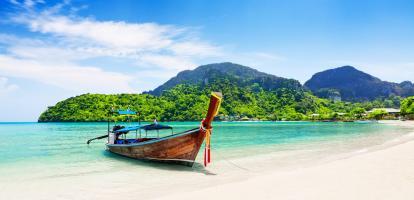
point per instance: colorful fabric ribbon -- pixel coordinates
(207, 151)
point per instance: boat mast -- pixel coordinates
(212, 109)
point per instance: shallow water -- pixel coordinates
(31, 152)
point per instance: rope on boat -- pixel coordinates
(207, 152)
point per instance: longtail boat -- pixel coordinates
(179, 148)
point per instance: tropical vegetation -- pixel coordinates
(407, 107)
(189, 102)
(248, 95)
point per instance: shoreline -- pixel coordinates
(383, 172)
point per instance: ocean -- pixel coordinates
(44, 155)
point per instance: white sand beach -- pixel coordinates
(382, 174)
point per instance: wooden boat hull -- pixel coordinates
(181, 148)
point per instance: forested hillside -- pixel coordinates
(353, 85)
(239, 75)
(189, 102)
(247, 93)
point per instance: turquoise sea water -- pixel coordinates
(40, 150)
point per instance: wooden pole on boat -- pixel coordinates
(103, 136)
(213, 108)
(97, 138)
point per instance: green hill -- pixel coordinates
(354, 85)
(247, 93)
(237, 74)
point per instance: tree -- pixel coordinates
(377, 114)
(357, 112)
(407, 107)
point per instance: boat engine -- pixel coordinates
(112, 137)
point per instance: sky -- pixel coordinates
(52, 50)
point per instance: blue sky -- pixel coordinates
(51, 50)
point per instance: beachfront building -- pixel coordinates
(392, 113)
(341, 114)
(314, 116)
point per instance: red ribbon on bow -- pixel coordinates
(207, 151)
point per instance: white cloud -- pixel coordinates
(13, 40)
(59, 43)
(145, 36)
(119, 38)
(27, 4)
(15, 2)
(67, 76)
(53, 49)
(5, 87)
(45, 54)
(54, 65)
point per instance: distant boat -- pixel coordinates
(180, 148)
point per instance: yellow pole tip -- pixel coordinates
(218, 95)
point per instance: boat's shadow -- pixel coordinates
(197, 167)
